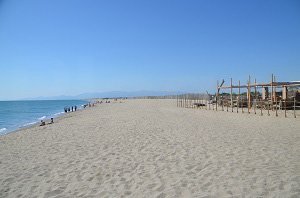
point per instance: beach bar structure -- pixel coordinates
(252, 97)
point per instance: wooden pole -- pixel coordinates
(242, 105)
(186, 101)
(272, 92)
(285, 108)
(217, 94)
(275, 98)
(227, 105)
(276, 107)
(268, 106)
(238, 101)
(231, 99)
(249, 95)
(198, 100)
(295, 107)
(255, 96)
(261, 107)
(181, 101)
(208, 102)
(222, 102)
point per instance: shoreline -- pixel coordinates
(34, 121)
(32, 126)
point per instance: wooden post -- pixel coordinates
(249, 95)
(275, 98)
(186, 101)
(272, 92)
(213, 106)
(261, 106)
(231, 99)
(238, 101)
(295, 107)
(227, 105)
(276, 107)
(217, 94)
(181, 101)
(208, 102)
(198, 100)
(285, 108)
(268, 108)
(242, 105)
(255, 96)
(284, 93)
(222, 101)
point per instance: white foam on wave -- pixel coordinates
(41, 118)
(56, 114)
(2, 130)
(28, 124)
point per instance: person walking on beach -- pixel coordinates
(75, 107)
(72, 108)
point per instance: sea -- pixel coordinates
(15, 115)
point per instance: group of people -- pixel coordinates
(68, 109)
(43, 123)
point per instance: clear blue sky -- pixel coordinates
(55, 47)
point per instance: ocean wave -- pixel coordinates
(56, 114)
(2, 130)
(41, 118)
(28, 124)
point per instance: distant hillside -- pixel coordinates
(112, 94)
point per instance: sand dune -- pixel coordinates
(151, 148)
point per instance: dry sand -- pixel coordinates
(151, 148)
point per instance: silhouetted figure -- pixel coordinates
(69, 109)
(51, 122)
(75, 107)
(42, 123)
(72, 108)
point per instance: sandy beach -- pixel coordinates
(151, 148)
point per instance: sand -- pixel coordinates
(151, 148)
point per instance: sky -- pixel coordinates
(69, 47)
